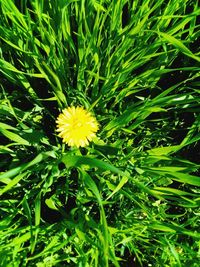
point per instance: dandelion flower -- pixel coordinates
(76, 126)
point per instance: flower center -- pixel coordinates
(77, 124)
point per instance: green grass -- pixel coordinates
(131, 198)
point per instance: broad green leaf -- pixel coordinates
(172, 191)
(168, 169)
(19, 240)
(186, 178)
(10, 173)
(91, 185)
(51, 204)
(15, 137)
(163, 228)
(160, 151)
(177, 43)
(122, 182)
(38, 209)
(13, 182)
(77, 161)
(27, 210)
(5, 126)
(7, 66)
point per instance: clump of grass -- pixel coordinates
(130, 198)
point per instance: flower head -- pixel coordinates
(76, 126)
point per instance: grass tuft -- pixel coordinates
(130, 198)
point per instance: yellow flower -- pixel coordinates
(76, 126)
